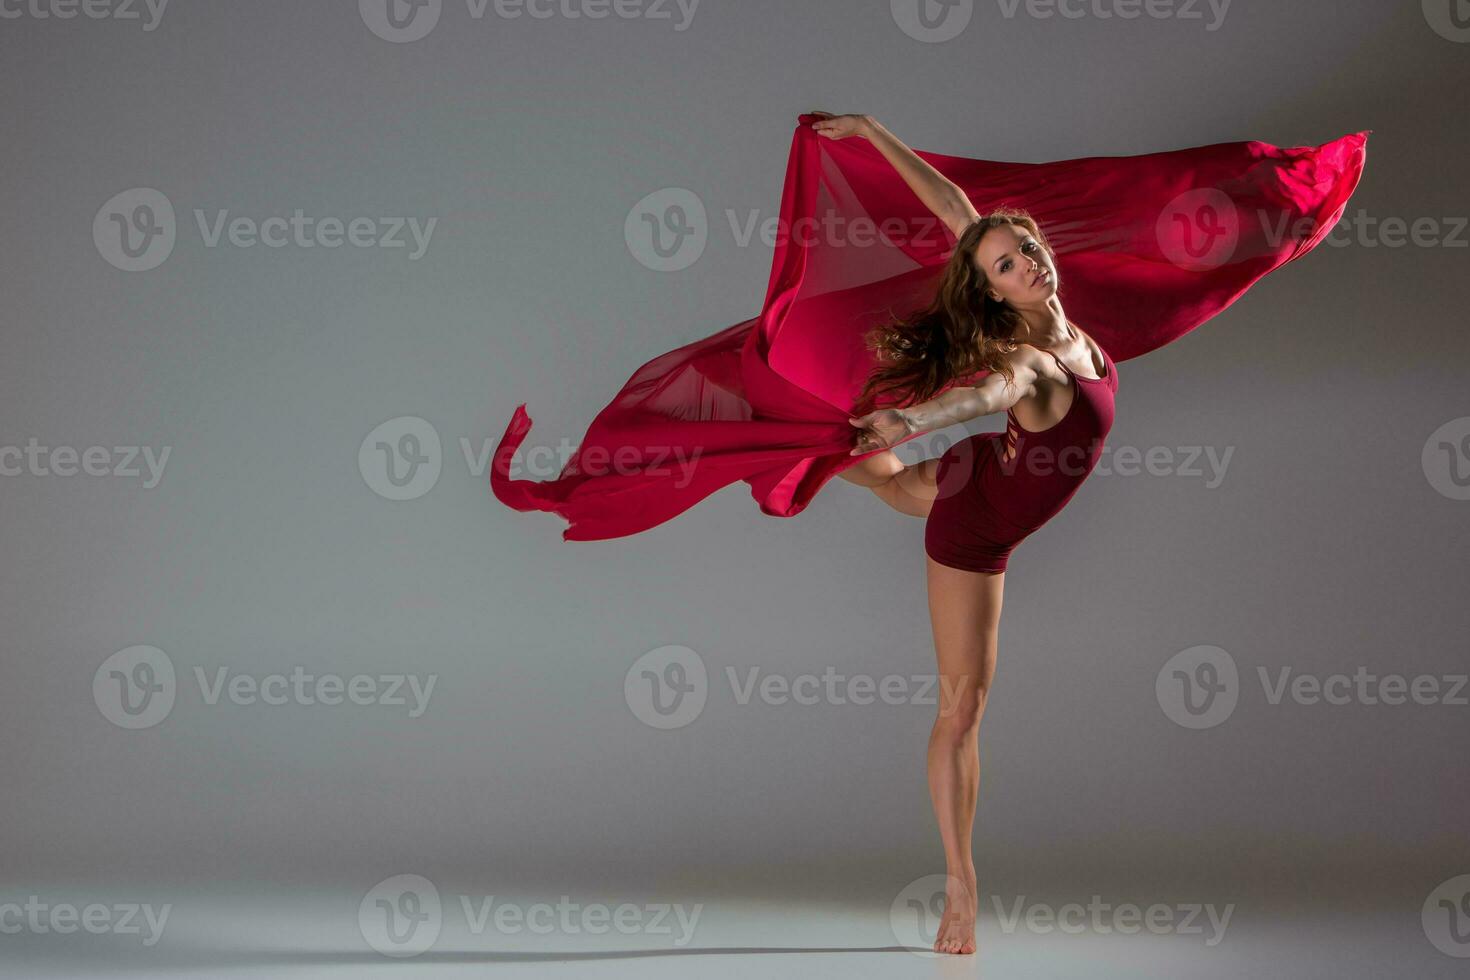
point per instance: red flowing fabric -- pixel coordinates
(1148, 247)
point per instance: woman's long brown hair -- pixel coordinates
(961, 332)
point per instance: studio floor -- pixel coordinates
(241, 933)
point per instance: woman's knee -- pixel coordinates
(874, 471)
(921, 480)
(961, 705)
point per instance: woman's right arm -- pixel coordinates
(946, 199)
(888, 427)
(960, 404)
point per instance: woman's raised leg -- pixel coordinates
(964, 611)
(907, 489)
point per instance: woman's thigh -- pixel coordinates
(964, 612)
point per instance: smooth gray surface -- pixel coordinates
(262, 548)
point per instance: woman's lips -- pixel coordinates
(1043, 274)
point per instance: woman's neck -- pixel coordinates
(1044, 329)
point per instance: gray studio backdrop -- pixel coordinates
(276, 275)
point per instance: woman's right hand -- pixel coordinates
(881, 430)
(840, 127)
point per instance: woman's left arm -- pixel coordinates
(942, 196)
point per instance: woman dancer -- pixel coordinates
(1154, 244)
(997, 309)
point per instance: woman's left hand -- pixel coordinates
(840, 127)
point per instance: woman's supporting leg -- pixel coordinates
(964, 611)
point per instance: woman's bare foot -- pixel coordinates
(957, 925)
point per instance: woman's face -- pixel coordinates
(1017, 269)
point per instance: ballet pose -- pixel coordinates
(1153, 245)
(997, 308)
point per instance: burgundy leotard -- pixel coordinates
(987, 504)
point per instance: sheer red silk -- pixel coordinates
(1148, 248)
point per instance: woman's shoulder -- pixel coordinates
(1022, 354)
